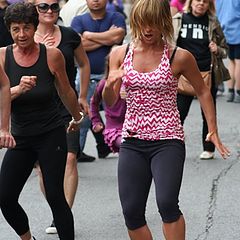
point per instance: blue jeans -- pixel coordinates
(86, 124)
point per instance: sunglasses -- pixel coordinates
(44, 7)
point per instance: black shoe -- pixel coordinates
(85, 158)
(103, 153)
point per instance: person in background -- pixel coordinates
(71, 9)
(5, 38)
(69, 42)
(116, 6)
(153, 146)
(229, 17)
(198, 31)
(35, 73)
(100, 30)
(176, 6)
(114, 115)
(6, 139)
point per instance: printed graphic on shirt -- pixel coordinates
(194, 31)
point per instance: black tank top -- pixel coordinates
(34, 112)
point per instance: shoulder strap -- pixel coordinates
(173, 54)
(127, 48)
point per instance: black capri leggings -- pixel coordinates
(141, 161)
(50, 150)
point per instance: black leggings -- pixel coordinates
(141, 161)
(50, 150)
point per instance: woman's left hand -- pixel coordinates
(213, 47)
(214, 138)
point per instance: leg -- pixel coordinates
(237, 74)
(167, 169)
(71, 178)
(52, 161)
(16, 167)
(134, 181)
(183, 104)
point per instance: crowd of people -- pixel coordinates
(60, 66)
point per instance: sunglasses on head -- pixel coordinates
(44, 7)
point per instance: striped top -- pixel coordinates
(152, 112)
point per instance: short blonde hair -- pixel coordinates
(211, 9)
(154, 13)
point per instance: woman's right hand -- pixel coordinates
(6, 139)
(115, 76)
(27, 83)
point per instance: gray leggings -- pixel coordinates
(141, 161)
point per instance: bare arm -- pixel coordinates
(83, 63)
(90, 45)
(56, 64)
(110, 37)
(112, 87)
(180, 65)
(6, 139)
(26, 84)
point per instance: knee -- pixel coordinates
(134, 217)
(169, 210)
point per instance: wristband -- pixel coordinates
(77, 122)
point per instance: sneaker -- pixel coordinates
(51, 229)
(85, 158)
(230, 97)
(205, 155)
(236, 98)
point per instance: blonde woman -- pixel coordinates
(153, 146)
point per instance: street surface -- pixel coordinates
(209, 196)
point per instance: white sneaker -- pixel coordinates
(205, 155)
(51, 229)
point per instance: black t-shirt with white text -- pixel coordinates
(194, 37)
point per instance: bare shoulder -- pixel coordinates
(118, 53)
(183, 55)
(53, 53)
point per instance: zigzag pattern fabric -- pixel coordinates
(152, 112)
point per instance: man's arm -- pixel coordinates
(110, 37)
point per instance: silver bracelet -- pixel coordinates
(77, 122)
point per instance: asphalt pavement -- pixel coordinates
(209, 195)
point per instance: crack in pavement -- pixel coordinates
(213, 201)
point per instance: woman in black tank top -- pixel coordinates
(35, 73)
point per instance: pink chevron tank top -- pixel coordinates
(152, 112)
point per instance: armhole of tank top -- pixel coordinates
(7, 56)
(172, 56)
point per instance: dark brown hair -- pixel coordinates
(21, 12)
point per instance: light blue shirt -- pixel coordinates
(228, 13)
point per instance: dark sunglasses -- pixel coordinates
(44, 7)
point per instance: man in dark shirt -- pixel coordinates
(99, 30)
